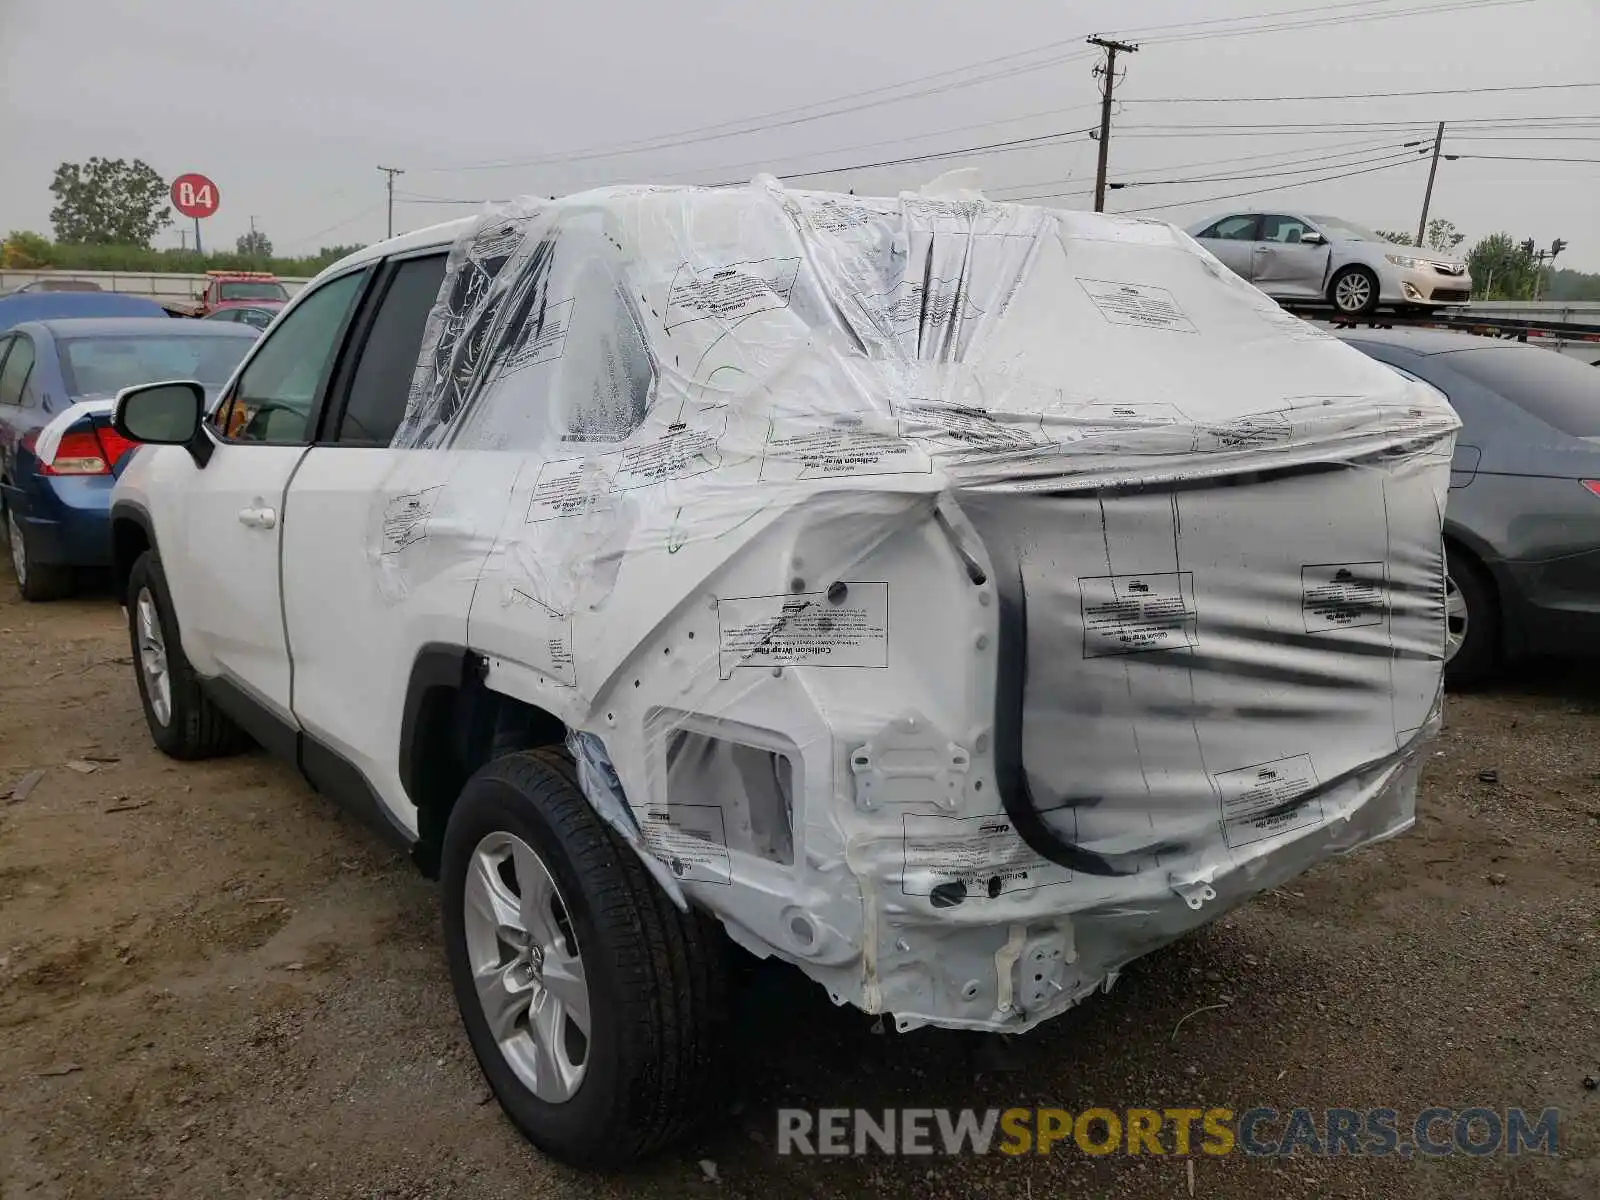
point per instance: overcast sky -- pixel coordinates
(290, 105)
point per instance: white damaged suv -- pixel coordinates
(957, 600)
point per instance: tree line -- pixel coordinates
(108, 211)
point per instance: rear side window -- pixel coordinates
(14, 374)
(1233, 229)
(381, 383)
(1560, 391)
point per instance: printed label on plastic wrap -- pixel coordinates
(1135, 614)
(567, 487)
(1258, 430)
(677, 455)
(836, 216)
(910, 306)
(802, 451)
(1258, 801)
(731, 292)
(543, 339)
(405, 518)
(984, 856)
(973, 427)
(1137, 304)
(806, 629)
(691, 840)
(548, 648)
(1342, 595)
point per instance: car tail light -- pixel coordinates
(1593, 485)
(79, 453)
(113, 444)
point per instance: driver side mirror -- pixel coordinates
(165, 414)
(1312, 238)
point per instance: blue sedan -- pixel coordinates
(59, 455)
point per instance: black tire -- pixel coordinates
(196, 728)
(1354, 310)
(36, 581)
(657, 977)
(1478, 659)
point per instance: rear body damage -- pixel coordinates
(958, 600)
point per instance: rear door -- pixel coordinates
(16, 418)
(1282, 264)
(372, 567)
(223, 570)
(1232, 239)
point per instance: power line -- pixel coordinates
(1520, 158)
(1316, 22)
(1526, 87)
(801, 114)
(1275, 188)
(1356, 161)
(985, 148)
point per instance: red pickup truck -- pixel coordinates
(240, 289)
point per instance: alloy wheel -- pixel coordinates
(19, 553)
(1353, 293)
(1455, 619)
(526, 967)
(153, 657)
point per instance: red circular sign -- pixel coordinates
(195, 195)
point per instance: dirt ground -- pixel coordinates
(213, 984)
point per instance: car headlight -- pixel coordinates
(1402, 260)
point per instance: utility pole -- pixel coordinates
(1108, 82)
(391, 172)
(1427, 196)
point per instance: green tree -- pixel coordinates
(1443, 235)
(1389, 235)
(1502, 268)
(25, 251)
(108, 201)
(254, 244)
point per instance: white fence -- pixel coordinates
(155, 285)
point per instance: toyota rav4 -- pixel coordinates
(957, 600)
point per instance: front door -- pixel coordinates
(1284, 265)
(229, 600)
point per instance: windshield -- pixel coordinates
(254, 291)
(103, 366)
(1346, 230)
(1560, 391)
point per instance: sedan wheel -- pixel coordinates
(1355, 292)
(1456, 617)
(152, 649)
(19, 555)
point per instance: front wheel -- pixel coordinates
(1354, 292)
(183, 722)
(594, 1006)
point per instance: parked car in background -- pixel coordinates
(248, 289)
(58, 455)
(50, 306)
(254, 315)
(1522, 524)
(1295, 257)
(56, 285)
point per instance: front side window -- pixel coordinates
(381, 383)
(273, 398)
(1233, 229)
(14, 373)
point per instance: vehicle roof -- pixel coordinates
(44, 306)
(1426, 341)
(93, 327)
(441, 234)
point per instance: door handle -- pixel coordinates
(258, 518)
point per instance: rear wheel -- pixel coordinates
(594, 1006)
(1354, 292)
(35, 580)
(183, 723)
(1472, 622)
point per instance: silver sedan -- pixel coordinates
(1324, 259)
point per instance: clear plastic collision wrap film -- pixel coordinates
(957, 599)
